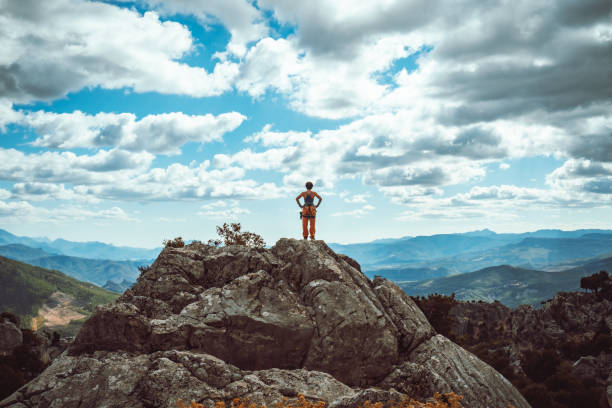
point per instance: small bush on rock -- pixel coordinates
(231, 234)
(174, 243)
(144, 268)
(600, 283)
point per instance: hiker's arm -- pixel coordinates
(297, 200)
(320, 199)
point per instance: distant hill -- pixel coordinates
(97, 271)
(407, 250)
(91, 250)
(118, 287)
(100, 250)
(470, 251)
(26, 289)
(533, 253)
(8, 238)
(510, 285)
(22, 252)
(408, 274)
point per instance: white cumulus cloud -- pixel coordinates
(52, 48)
(162, 133)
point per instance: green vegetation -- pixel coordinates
(25, 288)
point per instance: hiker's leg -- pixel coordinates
(305, 227)
(312, 228)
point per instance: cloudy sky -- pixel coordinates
(134, 121)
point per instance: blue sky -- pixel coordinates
(133, 122)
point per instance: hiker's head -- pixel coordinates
(308, 185)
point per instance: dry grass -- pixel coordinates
(448, 400)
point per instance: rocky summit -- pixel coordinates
(211, 324)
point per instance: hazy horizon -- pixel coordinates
(188, 239)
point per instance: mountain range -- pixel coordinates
(97, 271)
(509, 285)
(524, 258)
(90, 250)
(423, 257)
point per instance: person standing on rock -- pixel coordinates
(309, 210)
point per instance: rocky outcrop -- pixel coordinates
(574, 327)
(568, 318)
(10, 336)
(210, 324)
(24, 353)
(594, 368)
(439, 365)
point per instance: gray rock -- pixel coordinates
(412, 325)
(594, 368)
(577, 316)
(574, 317)
(370, 394)
(440, 365)
(10, 336)
(118, 379)
(211, 324)
(253, 322)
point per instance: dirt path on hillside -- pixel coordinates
(57, 311)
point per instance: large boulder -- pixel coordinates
(10, 336)
(439, 365)
(296, 305)
(210, 324)
(160, 379)
(591, 368)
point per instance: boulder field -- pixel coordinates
(210, 324)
